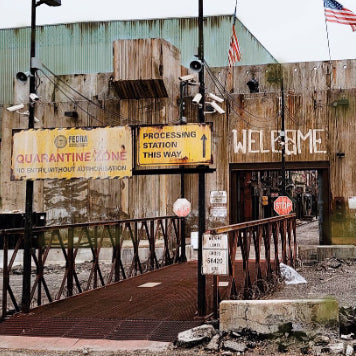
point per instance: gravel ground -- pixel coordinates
(332, 277)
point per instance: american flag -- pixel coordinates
(234, 50)
(335, 12)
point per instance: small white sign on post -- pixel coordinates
(352, 203)
(215, 254)
(218, 197)
(218, 211)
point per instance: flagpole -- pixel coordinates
(235, 13)
(230, 68)
(327, 34)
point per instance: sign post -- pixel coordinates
(215, 261)
(283, 205)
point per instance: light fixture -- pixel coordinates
(72, 114)
(340, 102)
(49, 2)
(253, 85)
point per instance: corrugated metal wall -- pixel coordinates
(87, 47)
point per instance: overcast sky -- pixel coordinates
(291, 30)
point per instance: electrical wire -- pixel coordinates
(227, 96)
(222, 90)
(72, 100)
(84, 97)
(121, 120)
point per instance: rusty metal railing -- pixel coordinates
(120, 240)
(273, 240)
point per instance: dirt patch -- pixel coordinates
(330, 278)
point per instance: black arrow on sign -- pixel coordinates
(203, 138)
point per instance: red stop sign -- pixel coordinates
(283, 205)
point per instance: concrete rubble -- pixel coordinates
(195, 336)
(233, 343)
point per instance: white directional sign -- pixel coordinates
(215, 254)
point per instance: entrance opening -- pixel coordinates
(254, 190)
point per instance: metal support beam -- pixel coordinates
(26, 280)
(201, 195)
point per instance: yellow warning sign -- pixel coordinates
(72, 153)
(174, 145)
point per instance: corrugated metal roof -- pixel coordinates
(78, 48)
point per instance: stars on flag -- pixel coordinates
(335, 12)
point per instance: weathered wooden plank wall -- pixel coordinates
(319, 121)
(79, 200)
(319, 118)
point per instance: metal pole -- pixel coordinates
(283, 139)
(26, 280)
(183, 257)
(201, 196)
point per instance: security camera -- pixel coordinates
(34, 97)
(217, 107)
(186, 78)
(209, 109)
(197, 98)
(216, 98)
(15, 107)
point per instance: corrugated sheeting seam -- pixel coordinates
(80, 48)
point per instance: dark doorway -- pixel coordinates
(254, 187)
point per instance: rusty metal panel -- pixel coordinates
(72, 153)
(87, 47)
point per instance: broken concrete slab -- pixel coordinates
(337, 348)
(195, 336)
(214, 343)
(349, 351)
(234, 346)
(270, 316)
